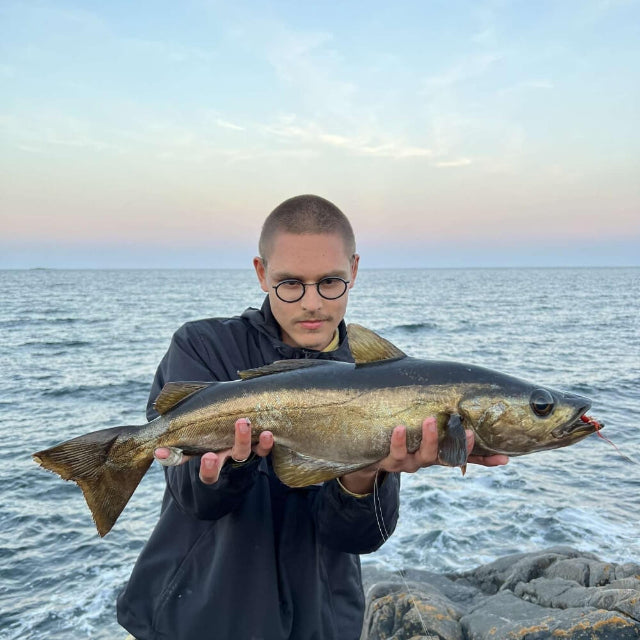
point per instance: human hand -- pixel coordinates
(400, 459)
(211, 463)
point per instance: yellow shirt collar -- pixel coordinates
(335, 341)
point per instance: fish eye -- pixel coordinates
(541, 402)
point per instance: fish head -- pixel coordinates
(525, 420)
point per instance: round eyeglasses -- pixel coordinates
(330, 288)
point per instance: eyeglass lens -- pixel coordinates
(328, 288)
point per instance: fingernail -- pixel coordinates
(244, 428)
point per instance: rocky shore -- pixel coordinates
(554, 593)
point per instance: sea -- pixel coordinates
(78, 351)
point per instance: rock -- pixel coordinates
(554, 593)
(399, 614)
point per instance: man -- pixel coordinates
(236, 554)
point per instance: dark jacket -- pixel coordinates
(248, 558)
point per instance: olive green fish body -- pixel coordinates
(328, 418)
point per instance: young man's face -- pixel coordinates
(311, 321)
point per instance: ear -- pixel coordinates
(258, 265)
(354, 269)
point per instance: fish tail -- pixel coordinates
(95, 463)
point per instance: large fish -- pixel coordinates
(328, 418)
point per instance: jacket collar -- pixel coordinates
(264, 321)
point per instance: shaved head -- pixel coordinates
(307, 214)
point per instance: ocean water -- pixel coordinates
(78, 350)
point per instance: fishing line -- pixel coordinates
(377, 506)
(598, 426)
(622, 455)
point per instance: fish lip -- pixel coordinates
(576, 425)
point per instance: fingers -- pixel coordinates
(398, 447)
(265, 444)
(489, 461)
(428, 451)
(210, 462)
(496, 460)
(470, 440)
(399, 458)
(241, 449)
(170, 456)
(210, 465)
(242, 446)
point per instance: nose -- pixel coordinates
(311, 300)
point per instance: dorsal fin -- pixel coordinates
(279, 366)
(367, 346)
(174, 392)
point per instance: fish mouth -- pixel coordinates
(580, 425)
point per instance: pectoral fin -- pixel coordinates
(453, 447)
(299, 470)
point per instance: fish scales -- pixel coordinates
(328, 418)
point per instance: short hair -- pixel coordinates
(306, 214)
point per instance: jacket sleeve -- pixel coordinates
(357, 525)
(189, 359)
(210, 501)
(185, 361)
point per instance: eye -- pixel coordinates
(289, 284)
(541, 402)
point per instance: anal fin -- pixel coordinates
(299, 470)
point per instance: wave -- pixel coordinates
(100, 391)
(414, 327)
(56, 343)
(24, 322)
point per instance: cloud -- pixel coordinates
(469, 68)
(173, 52)
(45, 131)
(289, 128)
(486, 37)
(224, 124)
(460, 162)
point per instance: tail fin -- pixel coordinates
(107, 472)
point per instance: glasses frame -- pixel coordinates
(311, 284)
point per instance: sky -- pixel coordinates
(452, 133)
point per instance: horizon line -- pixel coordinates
(429, 268)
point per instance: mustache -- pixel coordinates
(312, 318)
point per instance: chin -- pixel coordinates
(314, 345)
(315, 342)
